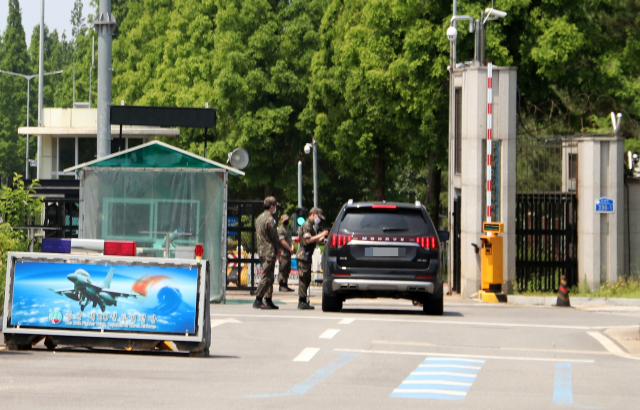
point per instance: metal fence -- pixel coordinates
(242, 257)
(546, 213)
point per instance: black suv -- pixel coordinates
(379, 249)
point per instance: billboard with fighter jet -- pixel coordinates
(98, 296)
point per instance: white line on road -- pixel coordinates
(611, 346)
(434, 391)
(218, 322)
(440, 382)
(453, 366)
(450, 359)
(534, 359)
(329, 333)
(307, 354)
(472, 375)
(517, 349)
(437, 322)
(346, 321)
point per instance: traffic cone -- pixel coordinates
(563, 293)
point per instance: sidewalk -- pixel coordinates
(578, 302)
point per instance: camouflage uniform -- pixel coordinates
(268, 244)
(285, 256)
(304, 255)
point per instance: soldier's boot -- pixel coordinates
(258, 303)
(302, 304)
(284, 288)
(268, 304)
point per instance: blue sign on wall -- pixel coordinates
(232, 221)
(86, 296)
(605, 206)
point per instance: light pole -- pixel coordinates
(299, 184)
(28, 78)
(307, 149)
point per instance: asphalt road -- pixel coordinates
(372, 355)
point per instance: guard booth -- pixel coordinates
(164, 198)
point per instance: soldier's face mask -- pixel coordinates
(285, 223)
(275, 209)
(317, 220)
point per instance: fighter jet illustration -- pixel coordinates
(85, 291)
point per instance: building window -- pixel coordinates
(71, 151)
(573, 166)
(458, 130)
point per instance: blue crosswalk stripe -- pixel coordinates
(440, 378)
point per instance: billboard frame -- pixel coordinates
(202, 299)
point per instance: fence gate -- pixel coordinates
(242, 256)
(546, 213)
(547, 240)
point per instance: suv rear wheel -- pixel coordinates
(331, 303)
(433, 307)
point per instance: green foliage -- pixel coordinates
(17, 208)
(378, 83)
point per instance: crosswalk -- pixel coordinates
(442, 378)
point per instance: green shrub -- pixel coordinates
(18, 207)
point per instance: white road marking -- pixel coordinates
(534, 359)
(425, 321)
(329, 333)
(386, 342)
(518, 349)
(450, 359)
(454, 366)
(433, 391)
(307, 354)
(611, 346)
(442, 382)
(346, 321)
(472, 375)
(218, 322)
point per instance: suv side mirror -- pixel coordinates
(443, 236)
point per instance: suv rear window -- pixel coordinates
(391, 221)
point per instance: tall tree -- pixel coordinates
(13, 57)
(378, 87)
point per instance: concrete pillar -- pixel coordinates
(474, 130)
(600, 235)
(470, 184)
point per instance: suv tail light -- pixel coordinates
(339, 240)
(427, 242)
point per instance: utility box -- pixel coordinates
(492, 263)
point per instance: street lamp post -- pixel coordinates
(307, 149)
(28, 78)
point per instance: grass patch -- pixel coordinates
(629, 289)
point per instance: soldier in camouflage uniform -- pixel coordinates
(284, 234)
(308, 240)
(268, 249)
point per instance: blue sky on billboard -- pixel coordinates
(57, 15)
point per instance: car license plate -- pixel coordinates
(381, 252)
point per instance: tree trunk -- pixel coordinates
(380, 175)
(434, 186)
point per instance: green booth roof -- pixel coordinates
(155, 154)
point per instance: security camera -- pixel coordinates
(307, 148)
(496, 13)
(452, 33)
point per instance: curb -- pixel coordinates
(575, 301)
